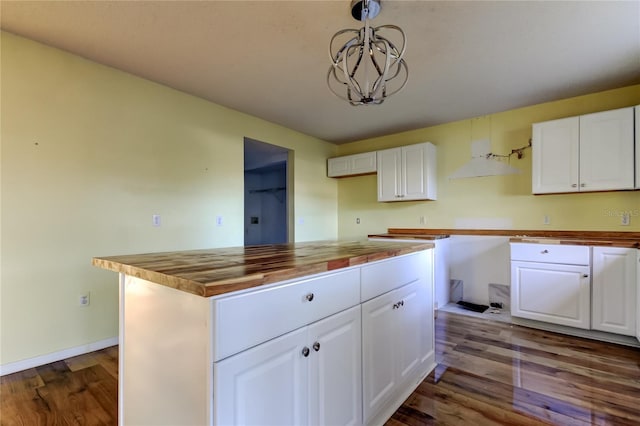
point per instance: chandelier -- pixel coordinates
(367, 67)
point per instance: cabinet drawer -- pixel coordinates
(387, 275)
(551, 253)
(248, 319)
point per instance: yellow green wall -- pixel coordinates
(489, 201)
(88, 154)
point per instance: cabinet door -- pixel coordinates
(362, 163)
(356, 164)
(339, 166)
(335, 374)
(554, 293)
(555, 156)
(379, 352)
(427, 298)
(410, 324)
(264, 385)
(418, 172)
(607, 150)
(614, 290)
(389, 174)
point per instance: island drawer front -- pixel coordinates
(386, 275)
(248, 319)
(551, 253)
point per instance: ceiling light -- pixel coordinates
(367, 66)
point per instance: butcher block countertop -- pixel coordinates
(587, 238)
(212, 272)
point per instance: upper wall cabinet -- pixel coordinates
(593, 152)
(351, 165)
(407, 173)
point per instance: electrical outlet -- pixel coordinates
(625, 219)
(357, 220)
(218, 220)
(155, 220)
(423, 220)
(546, 220)
(84, 299)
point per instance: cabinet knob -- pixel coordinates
(401, 303)
(309, 297)
(583, 185)
(574, 185)
(305, 352)
(395, 306)
(316, 346)
(545, 251)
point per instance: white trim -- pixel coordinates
(25, 364)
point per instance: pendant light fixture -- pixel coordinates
(367, 64)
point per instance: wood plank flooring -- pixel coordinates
(77, 391)
(492, 373)
(488, 373)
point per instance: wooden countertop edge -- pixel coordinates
(595, 238)
(245, 282)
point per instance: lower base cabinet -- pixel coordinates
(614, 290)
(554, 293)
(396, 344)
(308, 376)
(291, 353)
(588, 287)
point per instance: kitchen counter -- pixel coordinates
(201, 339)
(213, 272)
(417, 237)
(590, 238)
(578, 241)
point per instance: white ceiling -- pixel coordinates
(270, 58)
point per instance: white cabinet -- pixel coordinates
(397, 340)
(614, 290)
(407, 173)
(285, 353)
(264, 385)
(335, 370)
(607, 150)
(592, 152)
(555, 155)
(308, 376)
(351, 165)
(551, 284)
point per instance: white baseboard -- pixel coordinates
(25, 364)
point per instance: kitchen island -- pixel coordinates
(309, 333)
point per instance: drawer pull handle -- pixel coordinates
(585, 275)
(574, 185)
(395, 306)
(316, 346)
(305, 352)
(401, 303)
(544, 251)
(309, 297)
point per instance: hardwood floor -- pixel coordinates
(492, 373)
(77, 391)
(488, 373)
